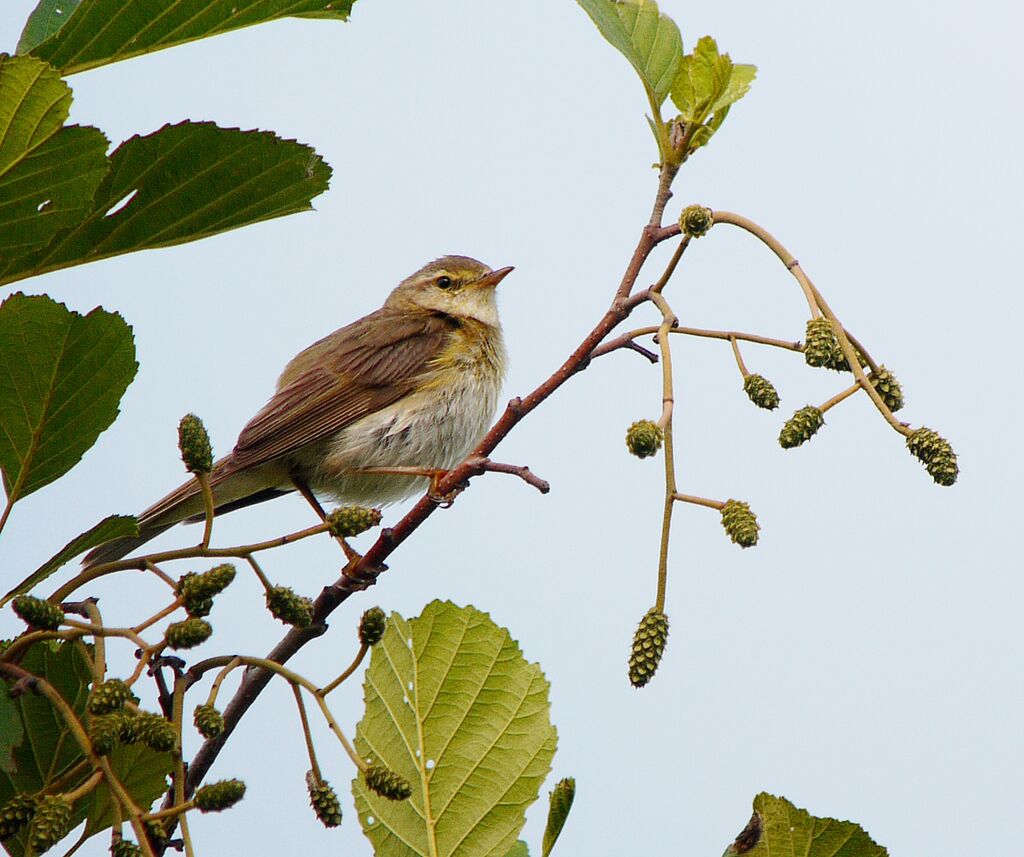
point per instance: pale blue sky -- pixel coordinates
(864, 659)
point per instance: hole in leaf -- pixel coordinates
(430, 764)
(121, 203)
(45, 204)
(370, 819)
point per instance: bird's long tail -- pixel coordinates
(231, 490)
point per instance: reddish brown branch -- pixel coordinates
(363, 572)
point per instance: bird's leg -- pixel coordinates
(300, 486)
(434, 474)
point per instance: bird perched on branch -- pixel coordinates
(412, 386)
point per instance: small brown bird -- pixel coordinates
(414, 384)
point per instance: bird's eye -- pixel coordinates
(444, 282)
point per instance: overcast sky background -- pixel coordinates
(864, 659)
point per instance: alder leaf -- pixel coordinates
(454, 708)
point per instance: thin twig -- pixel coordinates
(738, 356)
(485, 465)
(698, 501)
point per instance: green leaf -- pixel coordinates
(452, 706)
(113, 527)
(644, 36)
(62, 376)
(46, 19)
(11, 731)
(740, 79)
(49, 749)
(48, 173)
(104, 31)
(141, 770)
(520, 849)
(706, 86)
(560, 800)
(780, 829)
(181, 183)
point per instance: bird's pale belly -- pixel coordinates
(433, 428)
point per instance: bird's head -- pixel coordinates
(454, 285)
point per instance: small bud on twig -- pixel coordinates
(696, 220)
(37, 613)
(740, 523)
(194, 444)
(372, 626)
(349, 521)
(801, 427)
(761, 392)
(648, 647)
(644, 438)
(935, 452)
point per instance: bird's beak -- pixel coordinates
(491, 279)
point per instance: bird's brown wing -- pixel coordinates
(347, 375)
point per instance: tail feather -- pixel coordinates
(232, 489)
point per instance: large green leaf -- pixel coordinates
(48, 172)
(644, 36)
(49, 749)
(142, 771)
(181, 183)
(779, 829)
(452, 706)
(103, 31)
(706, 86)
(62, 376)
(112, 527)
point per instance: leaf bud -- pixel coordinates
(15, 814)
(648, 647)
(935, 452)
(801, 427)
(292, 609)
(888, 388)
(51, 823)
(37, 613)
(761, 392)
(188, 633)
(209, 722)
(194, 443)
(559, 804)
(696, 220)
(108, 696)
(371, 626)
(643, 438)
(348, 521)
(324, 801)
(387, 783)
(740, 523)
(220, 795)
